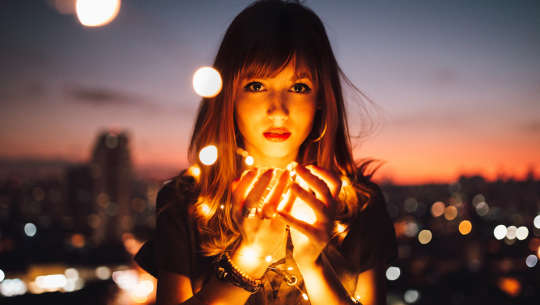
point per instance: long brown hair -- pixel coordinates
(261, 40)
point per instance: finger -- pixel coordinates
(255, 195)
(270, 207)
(315, 204)
(240, 189)
(286, 203)
(317, 185)
(299, 225)
(333, 181)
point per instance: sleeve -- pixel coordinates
(371, 239)
(170, 248)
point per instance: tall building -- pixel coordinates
(112, 173)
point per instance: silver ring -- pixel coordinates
(249, 212)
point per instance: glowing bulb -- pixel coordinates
(194, 171)
(249, 161)
(207, 82)
(304, 295)
(289, 268)
(268, 258)
(250, 256)
(208, 155)
(93, 13)
(222, 207)
(205, 209)
(340, 228)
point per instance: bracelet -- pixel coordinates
(226, 270)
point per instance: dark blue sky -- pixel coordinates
(457, 82)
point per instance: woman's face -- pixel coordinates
(275, 114)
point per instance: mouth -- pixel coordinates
(277, 134)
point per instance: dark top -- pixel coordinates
(175, 248)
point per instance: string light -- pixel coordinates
(208, 155)
(207, 82)
(249, 161)
(94, 13)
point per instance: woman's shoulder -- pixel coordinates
(177, 192)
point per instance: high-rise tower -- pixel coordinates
(112, 173)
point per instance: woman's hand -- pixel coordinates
(262, 234)
(319, 193)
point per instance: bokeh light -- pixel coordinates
(511, 232)
(207, 82)
(522, 233)
(424, 237)
(249, 160)
(30, 229)
(94, 13)
(2, 275)
(536, 222)
(393, 273)
(465, 227)
(103, 272)
(208, 155)
(450, 213)
(411, 296)
(531, 261)
(500, 232)
(437, 209)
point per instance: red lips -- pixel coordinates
(277, 134)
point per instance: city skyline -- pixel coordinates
(456, 83)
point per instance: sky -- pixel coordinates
(454, 85)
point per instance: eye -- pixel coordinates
(253, 87)
(301, 88)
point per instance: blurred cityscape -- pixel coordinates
(68, 233)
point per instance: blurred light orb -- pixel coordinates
(500, 232)
(482, 208)
(411, 296)
(103, 272)
(437, 209)
(393, 273)
(94, 13)
(536, 222)
(208, 155)
(71, 273)
(424, 237)
(531, 261)
(249, 160)
(522, 233)
(465, 227)
(207, 82)
(12, 287)
(511, 232)
(450, 213)
(2, 275)
(30, 229)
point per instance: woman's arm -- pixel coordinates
(174, 289)
(371, 286)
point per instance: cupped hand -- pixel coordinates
(319, 191)
(254, 212)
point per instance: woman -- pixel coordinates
(233, 233)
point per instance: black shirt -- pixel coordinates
(370, 239)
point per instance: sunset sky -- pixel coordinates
(456, 83)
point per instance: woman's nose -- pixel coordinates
(277, 108)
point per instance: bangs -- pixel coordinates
(267, 38)
(269, 66)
